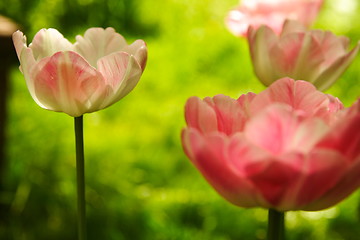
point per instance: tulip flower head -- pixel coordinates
(273, 13)
(312, 55)
(93, 73)
(289, 147)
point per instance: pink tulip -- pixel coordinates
(290, 147)
(92, 74)
(272, 13)
(315, 56)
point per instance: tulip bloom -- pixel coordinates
(315, 56)
(290, 147)
(272, 13)
(93, 73)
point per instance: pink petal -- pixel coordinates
(273, 178)
(291, 26)
(65, 82)
(307, 135)
(332, 46)
(300, 95)
(209, 155)
(346, 185)
(292, 181)
(231, 117)
(47, 42)
(299, 56)
(273, 129)
(97, 43)
(320, 172)
(199, 115)
(121, 73)
(336, 69)
(344, 137)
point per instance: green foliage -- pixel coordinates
(140, 185)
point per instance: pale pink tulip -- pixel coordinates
(290, 147)
(315, 56)
(93, 73)
(273, 13)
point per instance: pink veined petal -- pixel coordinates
(298, 55)
(333, 112)
(307, 135)
(344, 137)
(291, 181)
(65, 82)
(346, 185)
(121, 73)
(244, 102)
(199, 115)
(231, 117)
(97, 43)
(139, 50)
(47, 42)
(273, 178)
(331, 45)
(285, 54)
(320, 172)
(208, 154)
(273, 129)
(300, 95)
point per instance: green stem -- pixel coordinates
(276, 225)
(80, 177)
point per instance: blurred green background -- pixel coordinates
(140, 185)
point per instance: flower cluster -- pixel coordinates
(290, 147)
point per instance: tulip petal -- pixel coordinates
(297, 55)
(320, 171)
(300, 95)
(346, 185)
(349, 129)
(273, 178)
(199, 115)
(337, 68)
(121, 72)
(230, 115)
(19, 40)
(291, 26)
(47, 42)
(260, 43)
(97, 43)
(28, 63)
(65, 82)
(309, 132)
(139, 50)
(208, 154)
(273, 129)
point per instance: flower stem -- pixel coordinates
(276, 225)
(80, 177)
